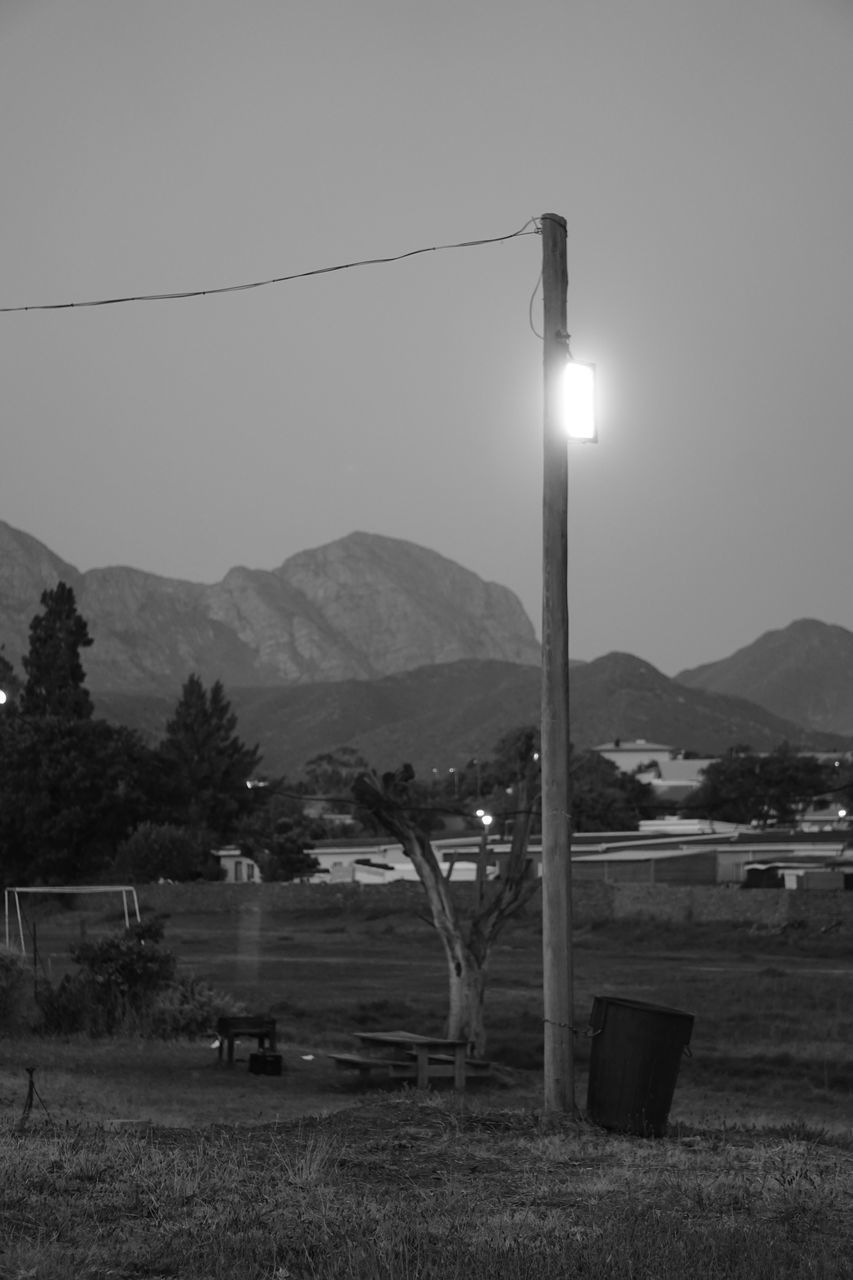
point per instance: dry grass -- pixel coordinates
(406, 1186)
(151, 1161)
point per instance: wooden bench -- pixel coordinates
(390, 1068)
(405, 1065)
(474, 1067)
(245, 1026)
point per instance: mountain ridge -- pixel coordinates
(360, 607)
(802, 672)
(381, 644)
(442, 716)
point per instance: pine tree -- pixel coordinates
(9, 683)
(206, 765)
(55, 675)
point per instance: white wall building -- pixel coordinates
(238, 868)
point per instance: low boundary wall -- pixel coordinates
(592, 901)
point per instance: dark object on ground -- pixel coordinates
(265, 1064)
(634, 1061)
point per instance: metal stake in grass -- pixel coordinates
(32, 1092)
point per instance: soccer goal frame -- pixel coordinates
(12, 894)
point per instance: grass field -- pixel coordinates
(148, 1159)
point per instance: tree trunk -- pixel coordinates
(466, 943)
(466, 1014)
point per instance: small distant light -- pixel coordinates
(2, 696)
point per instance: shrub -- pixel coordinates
(164, 851)
(188, 1008)
(126, 983)
(68, 1007)
(14, 991)
(115, 989)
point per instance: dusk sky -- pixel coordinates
(702, 155)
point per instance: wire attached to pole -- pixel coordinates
(262, 284)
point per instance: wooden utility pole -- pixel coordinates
(556, 816)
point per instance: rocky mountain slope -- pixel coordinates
(359, 608)
(444, 715)
(803, 673)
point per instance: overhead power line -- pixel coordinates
(263, 284)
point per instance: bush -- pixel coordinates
(119, 979)
(157, 851)
(15, 1000)
(126, 983)
(69, 1007)
(188, 1008)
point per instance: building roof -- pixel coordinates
(643, 853)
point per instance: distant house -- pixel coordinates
(628, 756)
(673, 780)
(830, 815)
(671, 775)
(238, 868)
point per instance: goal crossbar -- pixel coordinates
(12, 894)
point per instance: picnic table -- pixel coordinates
(252, 1026)
(405, 1055)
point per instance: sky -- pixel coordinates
(701, 156)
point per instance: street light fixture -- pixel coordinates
(577, 395)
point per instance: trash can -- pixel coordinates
(634, 1060)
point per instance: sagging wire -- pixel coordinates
(262, 284)
(536, 332)
(537, 222)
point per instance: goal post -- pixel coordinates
(12, 896)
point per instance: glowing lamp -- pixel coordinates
(577, 401)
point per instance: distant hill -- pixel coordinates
(383, 645)
(359, 608)
(444, 715)
(803, 673)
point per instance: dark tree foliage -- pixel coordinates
(279, 836)
(155, 851)
(768, 789)
(55, 675)
(602, 797)
(512, 774)
(70, 790)
(204, 764)
(10, 685)
(333, 772)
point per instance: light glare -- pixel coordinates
(577, 404)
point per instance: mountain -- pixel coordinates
(803, 673)
(444, 715)
(380, 644)
(26, 568)
(359, 608)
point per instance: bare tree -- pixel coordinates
(467, 937)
